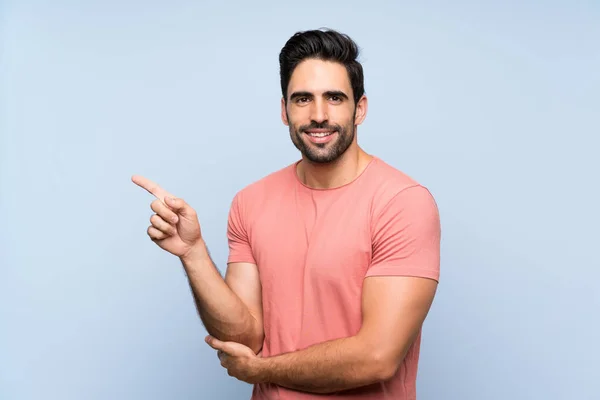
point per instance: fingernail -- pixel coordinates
(174, 219)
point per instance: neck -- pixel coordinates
(336, 173)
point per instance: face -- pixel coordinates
(320, 110)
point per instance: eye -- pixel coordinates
(302, 100)
(335, 98)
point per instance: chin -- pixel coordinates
(321, 158)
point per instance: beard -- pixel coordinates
(322, 153)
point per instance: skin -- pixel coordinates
(229, 308)
(319, 92)
(394, 307)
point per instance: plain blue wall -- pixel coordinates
(494, 106)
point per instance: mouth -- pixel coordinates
(319, 135)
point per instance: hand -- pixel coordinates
(239, 360)
(175, 227)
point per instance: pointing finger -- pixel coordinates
(151, 187)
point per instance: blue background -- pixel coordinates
(494, 106)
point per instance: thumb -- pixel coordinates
(180, 206)
(215, 343)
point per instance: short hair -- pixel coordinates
(326, 45)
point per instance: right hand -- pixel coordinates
(174, 227)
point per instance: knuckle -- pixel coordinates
(155, 205)
(191, 211)
(154, 233)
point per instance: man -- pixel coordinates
(334, 259)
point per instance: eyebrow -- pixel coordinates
(328, 93)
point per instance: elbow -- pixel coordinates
(252, 337)
(256, 345)
(255, 338)
(387, 372)
(252, 340)
(385, 366)
(385, 360)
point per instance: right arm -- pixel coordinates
(230, 308)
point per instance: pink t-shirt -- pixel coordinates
(314, 247)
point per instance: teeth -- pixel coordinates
(320, 134)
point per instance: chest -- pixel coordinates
(326, 240)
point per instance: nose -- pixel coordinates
(318, 111)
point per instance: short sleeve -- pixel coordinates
(237, 236)
(406, 236)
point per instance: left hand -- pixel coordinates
(239, 360)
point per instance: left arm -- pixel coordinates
(394, 309)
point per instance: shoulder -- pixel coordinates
(265, 188)
(393, 188)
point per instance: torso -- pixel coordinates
(313, 249)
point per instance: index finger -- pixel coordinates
(151, 187)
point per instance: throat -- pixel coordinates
(334, 174)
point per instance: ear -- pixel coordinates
(283, 113)
(361, 110)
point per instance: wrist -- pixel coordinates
(197, 253)
(263, 370)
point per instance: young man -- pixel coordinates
(334, 260)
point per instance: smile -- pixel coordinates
(320, 134)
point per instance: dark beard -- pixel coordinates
(322, 153)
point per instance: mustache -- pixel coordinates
(320, 125)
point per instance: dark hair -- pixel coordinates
(326, 45)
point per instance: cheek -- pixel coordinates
(340, 115)
(294, 123)
(298, 115)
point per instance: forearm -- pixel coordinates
(222, 312)
(327, 367)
